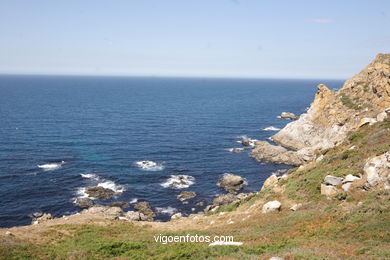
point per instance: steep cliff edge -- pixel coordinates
(362, 99)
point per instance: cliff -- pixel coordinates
(362, 99)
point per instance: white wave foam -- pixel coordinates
(133, 201)
(112, 186)
(178, 181)
(235, 150)
(89, 176)
(244, 137)
(150, 166)
(271, 128)
(51, 166)
(166, 210)
(81, 193)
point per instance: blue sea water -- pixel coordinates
(104, 125)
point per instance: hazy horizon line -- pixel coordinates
(168, 76)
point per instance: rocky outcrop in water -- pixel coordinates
(231, 183)
(288, 115)
(84, 202)
(186, 195)
(99, 192)
(335, 113)
(145, 208)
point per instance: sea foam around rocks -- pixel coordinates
(271, 128)
(178, 181)
(107, 184)
(150, 166)
(166, 210)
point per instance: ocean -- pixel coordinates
(60, 134)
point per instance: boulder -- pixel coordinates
(329, 190)
(121, 204)
(84, 202)
(43, 218)
(176, 216)
(200, 204)
(224, 199)
(271, 206)
(377, 171)
(270, 181)
(332, 180)
(133, 215)
(266, 152)
(346, 186)
(288, 115)
(145, 208)
(99, 192)
(185, 195)
(350, 178)
(231, 183)
(245, 142)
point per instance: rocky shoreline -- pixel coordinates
(363, 100)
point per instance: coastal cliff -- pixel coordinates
(333, 114)
(335, 205)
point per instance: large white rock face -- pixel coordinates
(335, 113)
(377, 170)
(271, 206)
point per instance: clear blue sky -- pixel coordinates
(223, 38)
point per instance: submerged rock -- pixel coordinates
(84, 202)
(99, 192)
(231, 183)
(185, 195)
(121, 204)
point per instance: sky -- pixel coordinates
(193, 38)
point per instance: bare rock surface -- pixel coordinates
(334, 113)
(377, 171)
(145, 208)
(267, 152)
(99, 192)
(231, 183)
